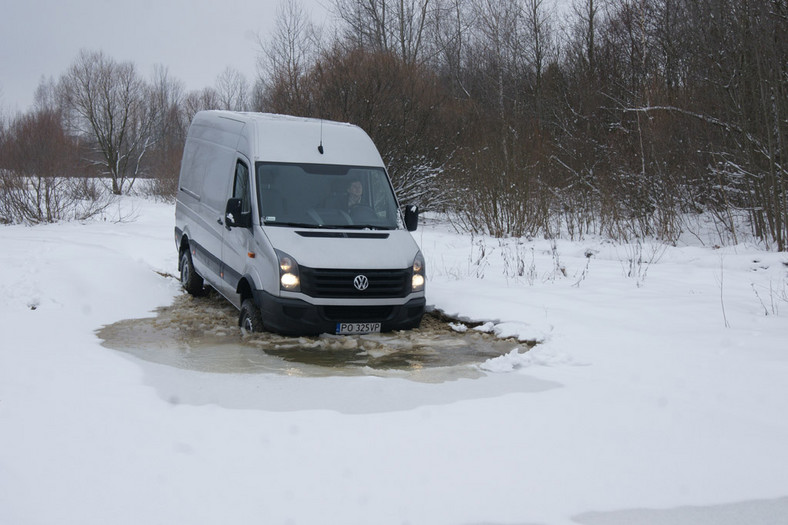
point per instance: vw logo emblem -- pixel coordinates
(361, 282)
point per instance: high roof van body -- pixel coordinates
(296, 223)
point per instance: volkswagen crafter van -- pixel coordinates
(295, 222)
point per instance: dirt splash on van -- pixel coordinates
(202, 334)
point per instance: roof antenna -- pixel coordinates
(320, 147)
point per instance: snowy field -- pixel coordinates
(658, 394)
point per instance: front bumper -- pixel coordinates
(297, 317)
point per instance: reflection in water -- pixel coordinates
(202, 334)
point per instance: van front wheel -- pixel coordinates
(250, 319)
(191, 282)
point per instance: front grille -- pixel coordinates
(339, 283)
(357, 313)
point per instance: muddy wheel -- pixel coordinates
(191, 282)
(250, 319)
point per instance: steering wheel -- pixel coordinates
(363, 214)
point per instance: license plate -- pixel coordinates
(357, 328)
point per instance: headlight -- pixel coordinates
(418, 280)
(288, 273)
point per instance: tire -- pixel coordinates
(250, 320)
(191, 282)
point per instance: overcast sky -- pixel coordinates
(195, 39)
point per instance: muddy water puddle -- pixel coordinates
(202, 334)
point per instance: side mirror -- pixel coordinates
(411, 217)
(234, 217)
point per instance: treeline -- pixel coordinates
(624, 118)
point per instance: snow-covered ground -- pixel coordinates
(659, 394)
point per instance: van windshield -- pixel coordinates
(326, 196)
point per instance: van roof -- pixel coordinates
(284, 138)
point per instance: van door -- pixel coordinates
(208, 231)
(237, 241)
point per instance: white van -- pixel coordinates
(295, 222)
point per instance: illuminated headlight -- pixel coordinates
(417, 281)
(288, 273)
(289, 281)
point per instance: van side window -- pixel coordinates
(241, 187)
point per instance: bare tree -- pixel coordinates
(587, 15)
(740, 76)
(108, 103)
(452, 34)
(411, 22)
(204, 99)
(233, 90)
(287, 57)
(672, 47)
(168, 131)
(538, 31)
(40, 182)
(404, 109)
(499, 53)
(392, 26)
(47, 97)
(167, 97)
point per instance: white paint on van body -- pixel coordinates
(216, 141)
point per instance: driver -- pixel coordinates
(354, 192)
